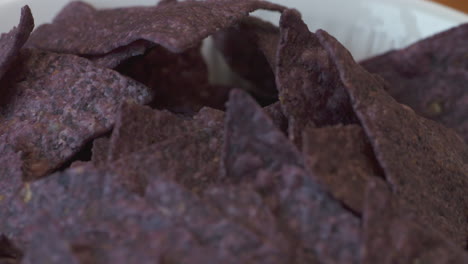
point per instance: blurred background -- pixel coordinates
(461, 5)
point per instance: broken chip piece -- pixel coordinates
(310, 91)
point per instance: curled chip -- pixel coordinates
(341, 158)
(424, 161)
(11, 42)
(430, 76)
(256, 151)
(390, 236)
(176, 27)
(310, 91)
(55, 103)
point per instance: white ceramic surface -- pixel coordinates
(366, 27)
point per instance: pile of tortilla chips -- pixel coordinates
(115, 147)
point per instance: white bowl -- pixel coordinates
(366, 27)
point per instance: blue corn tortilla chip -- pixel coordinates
(139, 126)
(341, 158)
(430, 76)
(424, 162)
(390, 236)
(256, 151)
(56, 103)
(176, 27)
(11, 42)
(310, 91)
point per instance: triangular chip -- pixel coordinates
(256, 151)
(310, 91)
(425, 162)
(140, 126)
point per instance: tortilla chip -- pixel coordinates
(341, 159)
(425, 162)
(140, 126)
(310, 91)
(11, 42)
(249, 48)
(176, 27)
(256, 151)
(430, 76)
(391, 237)
(56, 103)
